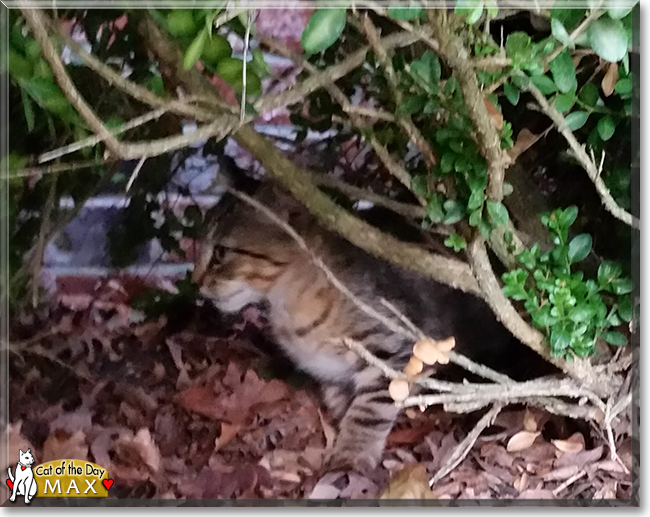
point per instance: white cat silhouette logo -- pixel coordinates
(23, 483)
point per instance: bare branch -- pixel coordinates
(463, 448)
(583, 158)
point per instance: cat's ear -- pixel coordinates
(20, 451)
(29, 450)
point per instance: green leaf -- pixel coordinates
(419, 185)
(569, 17)
(411, 104)
(456, 242)
(427, 69)
(434, 209)
(606, 127)
(623, 86)
(195, 49)
(568, 216)
(564, 101)
(475, 14)
(579, 247)
(498, 212)
(511, 93)
(447, 162)
(625, 308)
(622, 286)
(618, 12)
(519, 47)
(28, 109)
(564, 74)
(589, 94)
(607, 272)
(615, 338)
(560, 33)
(323, 30)
(475, 217)
(476, 199)
(19, 67)
(454, 211)
(507, 188)
(560, 339)
(544, 84)
(405, 14)
(607, 37)
(576, 119)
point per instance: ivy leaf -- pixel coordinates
(623, 86)
(615, 338)
(544, 84)
(579, 247)
(563, 71)
(497, 212)
(576, 119)
(519, 47)
(606, 128)
(323, 30)
(411, 104)
(419, 185)
(511, 93)
(607, 37)
(195, 50)
(560, 33)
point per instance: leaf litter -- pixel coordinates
(203, 412)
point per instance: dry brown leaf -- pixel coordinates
(530, 422)
(610, 79)
(575, 443)
(561, 474)
(411, 482)
(525, 140)
(521, 441)
(413, 367)
(431, 351)
(521, 483)
(228, 432)
(495, 114)
(398, 389)
(62, 445)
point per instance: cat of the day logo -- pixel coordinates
(58, 478)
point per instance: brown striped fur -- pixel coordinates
(254, 260)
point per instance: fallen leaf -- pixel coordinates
(411, 482)
(580, 459)
(522, 440)
(530, 422)
(575, 443)
(228, 432)
(610, 79)
(398, 389)
(495, 114)
(525, 140)
(561, 474)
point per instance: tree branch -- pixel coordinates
(583, 158)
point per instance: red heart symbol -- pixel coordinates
(108, 483)
(23, 467)
(10, 484)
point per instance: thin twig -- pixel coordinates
(247, 36)
(583, 158)
(135, 173)
(95, 139)
(463, 448)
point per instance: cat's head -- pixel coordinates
(245, 252)
(26, 457)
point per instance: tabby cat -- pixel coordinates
(250, 259)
